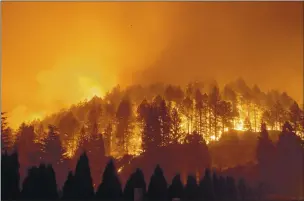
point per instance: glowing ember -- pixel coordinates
(120, 169)
(212, 137)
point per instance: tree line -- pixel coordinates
(280, 164)
(148, 119)
(40, 184)
(167, 111)
(279, 168)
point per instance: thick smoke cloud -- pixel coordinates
(56, 54)
(224, 41)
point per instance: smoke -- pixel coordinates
(75, 50)
(224, 41)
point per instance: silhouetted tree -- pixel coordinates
(6, 134)
(217, 187)
(53, 149)
(152, 128)
(243, 190)
(51, 185)
(175, 126)
(265, 155)
(176, 189)
(83, 180)
(110, 187)
(295, 116)
(136, 180)
(197, 154)
(230, 95)
(247, 124)
(214, 104)
(3, 121)
(124, 124)
(157, 189)
(268, 117)
(222, 189)
(187, 110)
(9, 176)
(7, 143)
(279, 114)
(40, 184)
(68, 190)
(169, 93)
(165, 122)
(226, 114)
(96, 155)
(94, 116)
(143, 116)
(289, 156)
(199, 111)
(53, 154)
(206, 187)
(68, 125)
(231, 189)
(191, 189)
(29, 152)
(108, 137)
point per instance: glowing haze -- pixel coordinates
(58, 53)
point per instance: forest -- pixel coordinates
(79, 186)
(236, 130)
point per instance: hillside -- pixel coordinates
(155, 124)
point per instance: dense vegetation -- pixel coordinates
(183, 130)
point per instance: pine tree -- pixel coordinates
(176, 129)
(157, 189)
(53, 149)
(214, 102)
(176, 189)
(165, 122)
(124, 123)
(6, 134)
(289, 162)
(110, 187)
(191, 189)
(136, 180)
(206, 187)
(265, 156)
(83, 180)
(295, 116)
(187, 109)
(226, 114)
(68, 187)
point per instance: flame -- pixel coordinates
(71, 147)
(248, 113)
(212, 137)
(239, 125)
(120, 169)
(89, 88)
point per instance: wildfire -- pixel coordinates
(71, 147)
(239, 125)
(249, 117)
(89, 88)
(135, 142)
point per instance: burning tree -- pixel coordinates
(124, 123)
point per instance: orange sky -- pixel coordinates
(58, 53)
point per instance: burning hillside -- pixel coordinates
(122, 117)
(137, 122)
